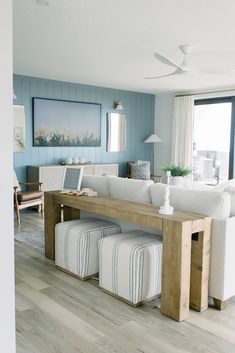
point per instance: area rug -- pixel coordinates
(33, 239)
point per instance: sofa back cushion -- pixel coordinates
(210, 203)
(97, 183)
(130, 189)
(231, 191)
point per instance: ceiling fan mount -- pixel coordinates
(186, 49)
(185, 68)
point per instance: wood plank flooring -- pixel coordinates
(57, 313)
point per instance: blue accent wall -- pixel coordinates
(138, 107)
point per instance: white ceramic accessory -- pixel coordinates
(68, 161)
(167, 208)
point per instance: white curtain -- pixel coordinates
(182, 134)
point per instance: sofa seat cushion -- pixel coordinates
(130, 189)
(27, 196)
(97, 183)
(210, 203)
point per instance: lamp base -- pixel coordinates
(166, 210)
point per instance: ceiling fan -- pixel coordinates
(185, 68)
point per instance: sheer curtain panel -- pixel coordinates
(182, 138)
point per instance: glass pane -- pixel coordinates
(212, 123)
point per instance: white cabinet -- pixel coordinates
(51, 175)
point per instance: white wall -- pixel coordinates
(163, 128)
(7, 303)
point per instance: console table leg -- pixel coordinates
(70, 213)
(52, 217)
(200, 264)
(220, 304)
(176, 269)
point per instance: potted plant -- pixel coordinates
(177, 173)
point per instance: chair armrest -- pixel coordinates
(31, 183)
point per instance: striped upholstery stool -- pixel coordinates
(130, 266)
(76, 245)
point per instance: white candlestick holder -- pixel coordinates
(167, 208)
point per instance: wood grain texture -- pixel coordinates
(177, 230)
(200, 267)
(52, 217)
(176, 259)
(43, 315)
(70, 213)
(220, 304)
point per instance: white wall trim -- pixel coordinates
(7, 298)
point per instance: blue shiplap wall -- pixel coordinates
(138, 107)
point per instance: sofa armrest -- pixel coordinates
(222, 274)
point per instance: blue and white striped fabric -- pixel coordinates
(76, 244)
(131, 265)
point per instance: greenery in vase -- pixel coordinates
(176, 170)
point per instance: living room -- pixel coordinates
(153, 65)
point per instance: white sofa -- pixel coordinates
(220, 204)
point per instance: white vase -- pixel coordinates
(177, 181)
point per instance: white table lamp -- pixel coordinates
(153, 139)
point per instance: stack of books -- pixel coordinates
(90, 193)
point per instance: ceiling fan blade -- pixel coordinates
(166, 61)
(216, 71)
(176, 72)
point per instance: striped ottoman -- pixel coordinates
(76, 245)
(130, 266)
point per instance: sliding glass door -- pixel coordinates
(213, 136)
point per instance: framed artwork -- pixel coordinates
(72, 179)
(19, 128)
(60, 123)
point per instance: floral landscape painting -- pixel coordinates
(65, 123)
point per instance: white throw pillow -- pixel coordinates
(211, 203)
(130, 189)
(97, 183)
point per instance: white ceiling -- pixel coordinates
(111, 42)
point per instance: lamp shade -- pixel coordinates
(118, 105)
(152, 139)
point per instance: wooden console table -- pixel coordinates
(186, 244)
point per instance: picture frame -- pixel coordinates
(63, 123)
(72, 178)
(19, 128)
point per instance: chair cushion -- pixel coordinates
(26, 196)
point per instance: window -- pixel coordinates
(213, 139)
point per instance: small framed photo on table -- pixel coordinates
(72, 178)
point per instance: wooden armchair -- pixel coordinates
(24, 199)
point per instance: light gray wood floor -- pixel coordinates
(56, 313)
